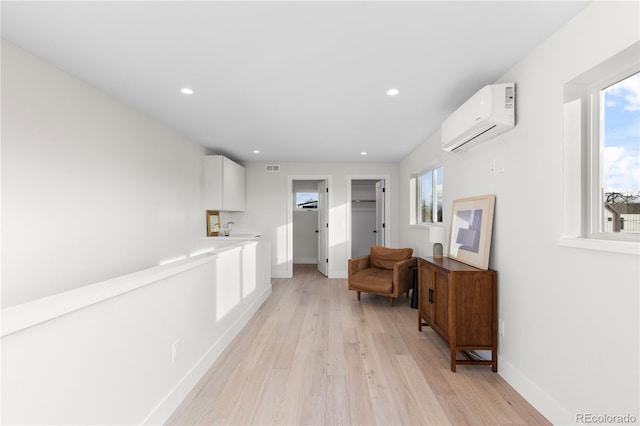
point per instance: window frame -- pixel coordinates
(297, 207)
(595, 151)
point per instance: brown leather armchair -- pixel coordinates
(385, 271)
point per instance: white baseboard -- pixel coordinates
(541, 400)
(165, 408)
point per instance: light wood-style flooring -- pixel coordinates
(314, 355)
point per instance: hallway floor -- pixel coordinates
(314, 355)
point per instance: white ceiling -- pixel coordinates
(299, 81)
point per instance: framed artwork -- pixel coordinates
(471, 226)
(213, 223)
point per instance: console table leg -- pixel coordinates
(453, 358)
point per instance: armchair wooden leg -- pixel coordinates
(391, 301)
(358, 293)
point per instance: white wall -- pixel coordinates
(571, 315)
(267, 206)
(91, 189)
(94, 196)
(305, 238)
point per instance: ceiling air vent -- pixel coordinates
(273, 168)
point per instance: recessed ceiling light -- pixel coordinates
(256, 151)
(392, 92)
(186, 91)
(363, 153)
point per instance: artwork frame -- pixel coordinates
(213, 223)
(471, 229)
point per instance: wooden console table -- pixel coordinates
(460, 303)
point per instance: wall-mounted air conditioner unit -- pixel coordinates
(488, 113)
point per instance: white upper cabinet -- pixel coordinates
(224, 184)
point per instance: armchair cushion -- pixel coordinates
(385, 258)
(373, 280)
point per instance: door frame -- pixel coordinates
(387, 205)
(322, 222)
(289, 224)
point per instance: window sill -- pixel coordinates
(613, 246)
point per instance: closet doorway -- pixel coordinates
(368, 212)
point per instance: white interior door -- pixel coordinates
(323, 228)
(380, 225)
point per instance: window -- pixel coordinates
(306, 200)
(601, 158)
(617, 154)
(429, 196)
